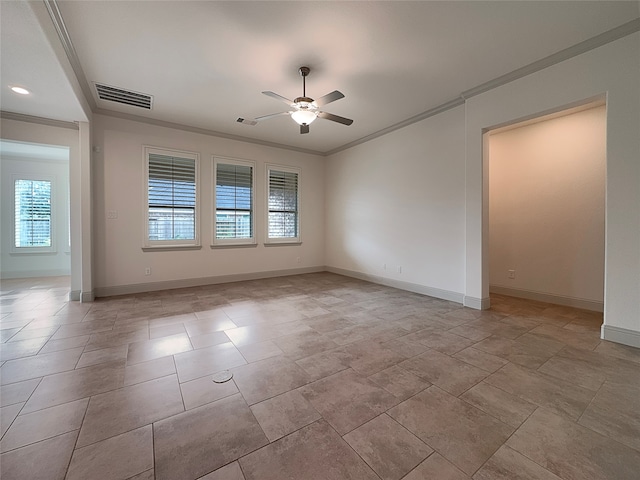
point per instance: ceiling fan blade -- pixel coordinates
(329, 97)
(279, 97)
(335, 118)
(304, 128)
(246, 121)
(267, 117)
(254, 121)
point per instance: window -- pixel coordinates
(32, 215)
(283, 201)
(233, 202)
(171, 198)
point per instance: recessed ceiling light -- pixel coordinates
(20, 90)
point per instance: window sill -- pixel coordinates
(233, 245)
(282, 244)
(169, 248)
(32, 252)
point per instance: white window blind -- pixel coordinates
(283, 204)
(32, 213)
(172, 198)
(234, 201)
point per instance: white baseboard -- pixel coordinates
(35, 273)
(87, 297)
(411, 287)
(198, 282)
(582, 303)
(477, 303)
(78, 296)
(620, 335)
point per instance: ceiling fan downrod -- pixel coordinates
(304, 71)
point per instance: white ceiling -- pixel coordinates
(9, 149)
(206, 62)
(28, 59)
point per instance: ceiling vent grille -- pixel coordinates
(126, 97)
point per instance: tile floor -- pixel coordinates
(333, 379)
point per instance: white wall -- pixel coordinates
(443, 254)
(23, 265)
(118, 184)
(614, 70)
(546, 209)
(399, 200)
(447, 178)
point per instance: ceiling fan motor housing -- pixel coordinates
(303, 100)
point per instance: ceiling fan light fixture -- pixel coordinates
(304, 116)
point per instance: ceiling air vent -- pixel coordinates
(126, 97)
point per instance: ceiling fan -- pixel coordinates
(304, 109)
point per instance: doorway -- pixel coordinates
(547, 207)
(35, 231)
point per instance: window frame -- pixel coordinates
(170, 244)
(297, 240)
(233, 242)
(52, 230)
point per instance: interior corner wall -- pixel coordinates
(67, 137)
(394, 208)
(546, 209)
(613, 70)
(118, 173)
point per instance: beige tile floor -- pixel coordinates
(333, 379)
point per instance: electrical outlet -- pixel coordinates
(112, 214)
(147, 271)
(511, 274)
(399, 269)
(384, 266)
(297, 259)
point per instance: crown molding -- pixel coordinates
(21, 117)
(202, 131)
(558, 57)
(590, 44)
(405, 123)
(609, 36)
(65, 39)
